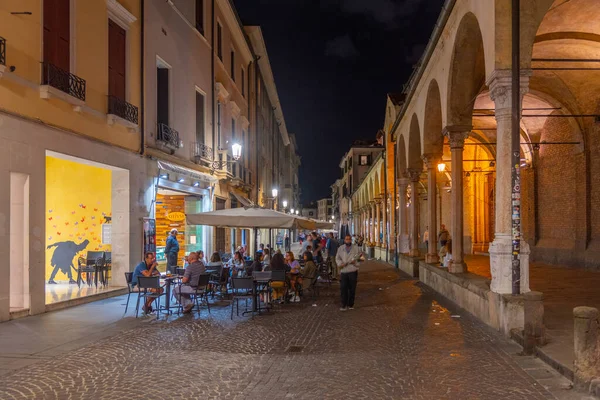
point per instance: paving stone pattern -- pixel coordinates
(399, 343)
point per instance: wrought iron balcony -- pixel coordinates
(2, 51)
(202, 153)
(64, 81)
(168, 135)
(123, 109)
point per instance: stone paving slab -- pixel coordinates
(401, 342)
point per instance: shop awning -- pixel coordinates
(178, 169)
(244, 201)
(249, 218)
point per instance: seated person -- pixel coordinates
(191, 276)
(295, 276)
(146, 268)
(256, 264)
(309, 273)
(238, 265)
(446, 254)
(277, 264)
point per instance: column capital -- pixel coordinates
(414, 175)
(500, 84)
(403, 181)
(431, 159)
(457, 134)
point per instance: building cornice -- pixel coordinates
(119, 14)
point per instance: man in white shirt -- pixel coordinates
(426, 238)
(347, 260)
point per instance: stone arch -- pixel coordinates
(433, 139)
(414, 145)
(401, 156)
(467, 72)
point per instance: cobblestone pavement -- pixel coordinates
(399, 343)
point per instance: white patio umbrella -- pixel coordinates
(250, 218)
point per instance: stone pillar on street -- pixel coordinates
(587, 347)
(373, 220)
(378, 222)
(384, 229)
(456, 136)
(501, 248)
(534, 332)
(403, 242)
(414, 176)
(431, 161)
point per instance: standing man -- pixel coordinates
(443, 236)
(426, 238)
(347, 260)
(332, 249)
(171, 250)
(287, 242)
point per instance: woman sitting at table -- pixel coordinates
(266, 260)
(294, 275)
(309, 272)
(277, 264)
(238, 265)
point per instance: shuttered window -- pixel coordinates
(200, 16)
(116, 60)
(199, 117)
(57, 33)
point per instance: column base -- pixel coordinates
(501, 265)
(457, 268)
(432, 259)
(414, 253)
(403, 244)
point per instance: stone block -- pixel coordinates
(534, 333)
(587, 348)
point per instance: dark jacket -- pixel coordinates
(172, 245)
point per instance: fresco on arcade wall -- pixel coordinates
(78, 202)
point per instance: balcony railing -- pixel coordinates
(2, 51)
(122, 109)
(202, 152)
(63, 81)
(168, 135)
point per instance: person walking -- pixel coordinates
(347, 259)
(443, 236)
(332, 249)
(171, 250)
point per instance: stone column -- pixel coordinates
(378, 222)
(501, 247)
(456, 136)
(414, 175)
(385, 220)
(431, 161)
(373, 226)
(587, 342)
(403, 242)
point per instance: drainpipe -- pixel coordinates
(212, 76)
(142, 91)
(396, 213)
(385, 196)
(516, 150)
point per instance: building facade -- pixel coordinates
(119, 117)
(325, 209)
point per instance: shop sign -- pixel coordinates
(176, 216)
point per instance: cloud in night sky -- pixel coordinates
(384, 12)
(342, 47)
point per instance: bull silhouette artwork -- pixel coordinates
(63, 256)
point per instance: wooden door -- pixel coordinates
(116, 60)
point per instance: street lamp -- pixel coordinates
(297, 212)
(285, 203)
(292, 210)
(274, 192)
(441, 167)
(236, 149)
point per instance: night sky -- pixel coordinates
(334, 61)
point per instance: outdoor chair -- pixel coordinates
(89, 266)
(241, 289)
(324, 273)
(279, 282)
(263, 280)
(180, 271)
(201, 294)
(144, 284)
(130, 288)
(106, 268)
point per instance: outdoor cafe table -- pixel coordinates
(255, 297)
(168, 282)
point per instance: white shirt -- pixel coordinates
(426, 236)
(347, 255)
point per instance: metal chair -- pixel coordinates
(130, 288)
(279, 277)
(263, 280)
(106, 268)
(145, 283)
(241, 289)
(201, 293)
(180, 271)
